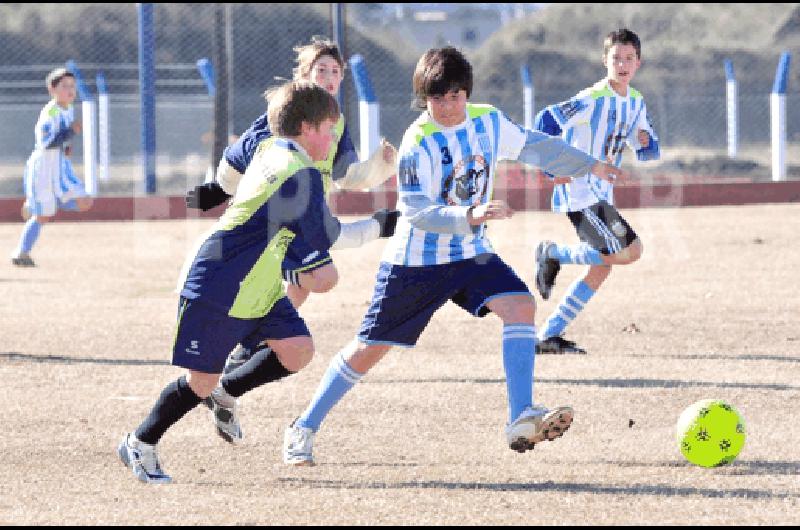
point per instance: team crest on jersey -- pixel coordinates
(618, 228)
(467, 183)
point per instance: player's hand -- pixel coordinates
(490, 211)
(387, 219)
(206, 197)
(76, 127)
(389, 152)
(68, 150)
(643, 137)
(609, 172)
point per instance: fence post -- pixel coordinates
(778, 118)
(88, 113)
(147, 95)
(103, 142)
(528, 107)
(368, 108)
(732, 109)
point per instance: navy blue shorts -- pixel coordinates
(206, 334)
(406, 298)
(300, 257)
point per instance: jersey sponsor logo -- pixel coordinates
(467, 183)
(570, 108)
(485, 143)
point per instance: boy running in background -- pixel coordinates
(233, 293)
(599, 120)
(50, 181)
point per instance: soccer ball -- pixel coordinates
(710, 433)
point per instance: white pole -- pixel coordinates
(368, 107)
(732, 110)
(89, 111)
(103, 142)
(778, 118)
(528, 107)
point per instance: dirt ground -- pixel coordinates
(85, 346)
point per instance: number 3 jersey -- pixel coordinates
(449, 167)
(599, 122)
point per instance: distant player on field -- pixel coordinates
(440, 250)
(305, 269)
(233, 293)
(50, 181)
(599, 120)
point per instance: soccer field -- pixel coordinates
(712, 310)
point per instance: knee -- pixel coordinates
(84, 203)
(635, 251)
(202, 384)
(41, 219)
(296, 355)
(522, 311)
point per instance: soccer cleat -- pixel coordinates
(537, 424)
(559, 345)
(298, 443)
(238, 357)
(22, 260)
(546, 269)
(142, 459)
(224, 410)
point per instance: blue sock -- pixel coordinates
(29, 235)
(337, 381)
(580, 254)
(568, 308)
(519, 349)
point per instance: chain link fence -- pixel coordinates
(685, 98)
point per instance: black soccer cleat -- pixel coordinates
(546, 270)
(559, 346)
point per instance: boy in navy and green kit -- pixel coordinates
(233, 292)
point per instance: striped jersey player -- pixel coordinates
(440, 251)
(601, 121)
(50, 181)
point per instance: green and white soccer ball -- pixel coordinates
(710, 433)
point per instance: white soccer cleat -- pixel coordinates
(142, 459)
(224, 410)
(538, 424)
(298, 444)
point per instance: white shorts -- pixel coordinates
(50, 183)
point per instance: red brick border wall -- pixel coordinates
(534, 198)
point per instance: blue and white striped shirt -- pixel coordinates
(599, 122)
(443, 171)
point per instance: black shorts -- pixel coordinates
(603, 228)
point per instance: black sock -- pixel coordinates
(174, 402)
(264, 367)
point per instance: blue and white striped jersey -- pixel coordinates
(599, 122)
(54, 126)
(445, 170)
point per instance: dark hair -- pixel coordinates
(622, 36)
(307, 55)
(439, 71)
(295, 102)
(54, 77)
